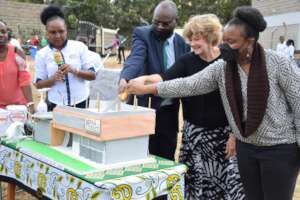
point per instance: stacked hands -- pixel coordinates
(147, 85)
(138, 86)
(62, 71)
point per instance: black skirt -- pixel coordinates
(210, 175)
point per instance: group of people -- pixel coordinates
(207, 143)
(286, 48)
(237, 98)
(240, 102)
(32, 44)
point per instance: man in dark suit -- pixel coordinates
(154, 49)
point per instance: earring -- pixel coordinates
(248, 55)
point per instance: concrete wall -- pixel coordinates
(21, 16)
(276, 7)
(270, 37)
(282, 17)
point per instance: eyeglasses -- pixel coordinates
(163, 24)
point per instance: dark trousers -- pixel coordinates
(268, 173)
(163, 143)
(121, 54)
(51, 106)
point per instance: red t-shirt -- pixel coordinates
(34, 42)
(12, 77)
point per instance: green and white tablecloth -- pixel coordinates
(58, 176)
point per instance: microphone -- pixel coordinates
(59, 59)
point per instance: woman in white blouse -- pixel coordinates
(64, 65)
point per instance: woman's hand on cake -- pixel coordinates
(141, 80)
(122, 86)
(135, 87)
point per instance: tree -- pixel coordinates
(222, 8)
(32, 1)
(89, 10)
(126, 14)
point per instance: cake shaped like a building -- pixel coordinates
(105, 137)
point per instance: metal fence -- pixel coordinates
(97, 38)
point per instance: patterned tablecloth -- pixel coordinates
(56, 175)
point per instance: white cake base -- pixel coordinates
(69, 152)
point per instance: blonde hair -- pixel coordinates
(208, 26)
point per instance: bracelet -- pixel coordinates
(31, 103)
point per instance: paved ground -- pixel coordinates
(110, 63)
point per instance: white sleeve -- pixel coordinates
(84, 57)
(95, 61)
(40, 68)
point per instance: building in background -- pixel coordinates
(283, 18)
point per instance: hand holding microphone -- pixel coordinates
(58, 58)
(58, 76)
(62, 66)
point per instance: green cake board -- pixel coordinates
(68, 162)
(77, 167)
(135, 170)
